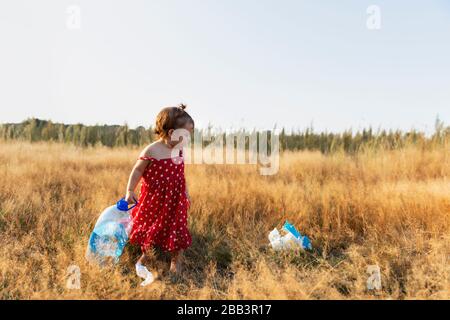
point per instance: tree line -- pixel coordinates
(34, 130)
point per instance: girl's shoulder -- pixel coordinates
(150, 151)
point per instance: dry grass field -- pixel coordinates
(390, 208)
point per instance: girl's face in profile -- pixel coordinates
(181, 137)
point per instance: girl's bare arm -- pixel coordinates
(133, 180)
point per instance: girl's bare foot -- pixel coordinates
(175, 264)
(142, 259)
(175, 267)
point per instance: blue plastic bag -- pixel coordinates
(305, 242)
(110, 234)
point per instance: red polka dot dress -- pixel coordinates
(160, 219)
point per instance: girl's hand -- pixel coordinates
(130, 197)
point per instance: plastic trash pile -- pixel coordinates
(291, 240)
(110, 234)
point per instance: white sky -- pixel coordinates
(240, 63)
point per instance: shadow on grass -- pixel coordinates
(207, 253)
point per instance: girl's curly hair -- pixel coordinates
(171, 118)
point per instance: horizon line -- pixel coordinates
(310, 127)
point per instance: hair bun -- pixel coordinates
(182, 106)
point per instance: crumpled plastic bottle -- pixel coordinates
(110, 234)
(143, 272)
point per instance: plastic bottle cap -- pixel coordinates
(122, 205)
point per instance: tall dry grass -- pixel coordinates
(389, 208)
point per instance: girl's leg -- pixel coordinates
(147, 258)
(144, 257)
(175, 262)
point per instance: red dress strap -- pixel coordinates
(146, 158)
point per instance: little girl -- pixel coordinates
(160, 218)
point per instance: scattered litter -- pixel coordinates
(374, 280)
(110, 234)
(143, 272)
(291, 240)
